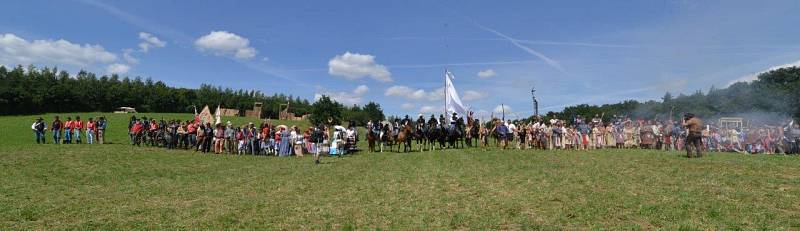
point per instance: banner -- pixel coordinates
(452, 101)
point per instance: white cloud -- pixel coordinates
(431, 109)
(15, 50)
(354, 66)
(488, 73)
(126, 55)
(224, 43)
(343, 97)
(407, 106)
(361, 89)
(415, 94)
(471, 95)
(754, 76)
(117, 68)
(148, 41)
(499, 109)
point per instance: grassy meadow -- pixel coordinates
(117, 186)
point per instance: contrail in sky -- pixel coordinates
(546, 59)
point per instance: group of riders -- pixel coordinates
(429, 135)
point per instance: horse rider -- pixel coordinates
(441, 119)
(453, 120)
(420, 120)
(405, 121)
(432, 123)
(396, 127)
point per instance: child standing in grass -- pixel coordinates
(68, 131)
(90, 129)
(56, 130)
(77, 128)
(240, 140)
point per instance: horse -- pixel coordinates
(433, 135)
(420, 135)
(470, 131)
(386, 137)
(455, 135)
(371, 138)
(404, 138)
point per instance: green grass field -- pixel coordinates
(117, 186)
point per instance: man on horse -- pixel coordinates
(432, 122)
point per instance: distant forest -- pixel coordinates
(773, 95)
(32, 91)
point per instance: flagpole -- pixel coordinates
(445, 95)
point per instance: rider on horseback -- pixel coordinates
(453, 120)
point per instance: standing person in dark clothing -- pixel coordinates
(56, 130)
(694, 126)
(101, 129)
(209, 135)
(39, 128)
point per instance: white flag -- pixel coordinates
(219, 116)
(452, 101)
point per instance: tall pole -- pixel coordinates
(503, 108)
(445, 95)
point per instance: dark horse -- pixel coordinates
(387, 138)
(420, 135)
(455, 135)
(434, 134)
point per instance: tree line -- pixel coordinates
(774, 94)
(35, 91)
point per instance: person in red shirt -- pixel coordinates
(77, 128)
(90, 130)
(136, 132)
(68, 131)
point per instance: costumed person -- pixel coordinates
(56, 130)
(694, 138)
(39, 127)
(68, 131)
(285, 147)
(77, 128)
(317, 138)
(91, 128)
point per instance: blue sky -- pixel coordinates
(395, 52)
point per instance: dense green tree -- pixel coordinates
(326, 111)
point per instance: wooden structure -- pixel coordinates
(731, 122)
(228, 112)
(284, 114)
(125, 110)
(256, 112)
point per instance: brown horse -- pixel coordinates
(404, 138)
(371, 138)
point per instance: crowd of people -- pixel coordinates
(71, 131)
(576, 134)
(623, 132)
(225, 138)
